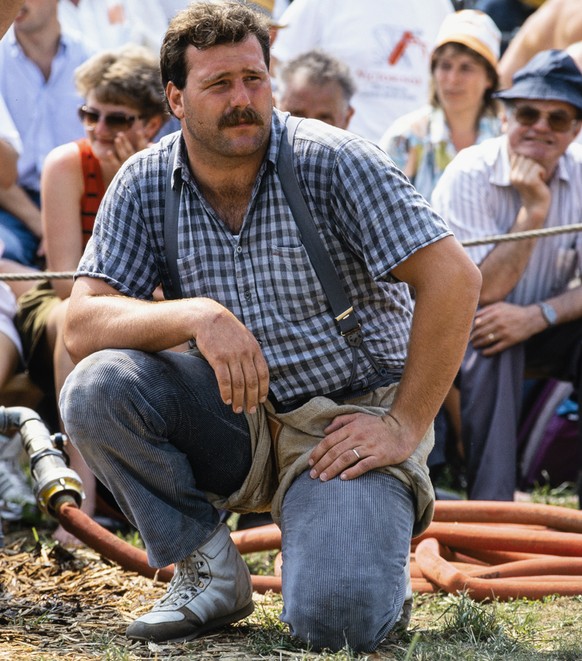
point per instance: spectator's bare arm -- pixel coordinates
(8, 159)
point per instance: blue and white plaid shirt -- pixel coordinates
(370, 219)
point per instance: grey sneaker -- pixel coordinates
(210, 588)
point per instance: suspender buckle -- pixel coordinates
(353, 336)
(344, 314)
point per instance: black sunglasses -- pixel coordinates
(115, 121)
(558, 120)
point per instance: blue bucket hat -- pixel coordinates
(550, 75)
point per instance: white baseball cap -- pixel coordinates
(474, 29)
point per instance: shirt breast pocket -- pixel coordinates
(193, 276)
(298, 291)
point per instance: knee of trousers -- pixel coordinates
(98, 386)
(353, 612)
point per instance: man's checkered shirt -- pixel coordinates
(367, 213)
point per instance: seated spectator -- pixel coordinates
(124, 109)
(462, 110)
(37, 61)
(530, 318)
(15, 493)
(317, 85)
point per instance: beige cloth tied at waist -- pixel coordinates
(282, 443)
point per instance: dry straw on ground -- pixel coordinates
(75, 606)
(72, 606)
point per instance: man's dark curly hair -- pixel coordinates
(206, 24)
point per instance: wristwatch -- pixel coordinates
(549, 313)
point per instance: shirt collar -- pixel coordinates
(64, 42)
(439, 131)
(277, 127)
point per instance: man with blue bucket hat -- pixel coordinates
(529, 321)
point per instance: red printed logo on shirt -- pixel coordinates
(406, 40)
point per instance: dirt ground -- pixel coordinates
(75, 606)
(72, 606)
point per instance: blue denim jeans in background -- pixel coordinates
(20, 244)
(154, 430)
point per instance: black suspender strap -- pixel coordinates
(342, 310)
(173, 190)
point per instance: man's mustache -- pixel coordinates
(239, 116)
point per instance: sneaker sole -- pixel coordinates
(205, 628)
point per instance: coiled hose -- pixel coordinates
(488, 549)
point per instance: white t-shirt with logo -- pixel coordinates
(386, 43)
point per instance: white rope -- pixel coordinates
(529, 234)
(495, 238)
(39, 275)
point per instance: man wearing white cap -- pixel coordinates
(530, 319)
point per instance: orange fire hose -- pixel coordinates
(439, 571)
(84, 528)
(263, 538)
(489, 549)
(485, 511)
(475, 536)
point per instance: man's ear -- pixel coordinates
(349, 114)
(174, 96)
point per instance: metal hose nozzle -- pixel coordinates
(52, 478)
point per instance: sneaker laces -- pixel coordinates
(191, 577)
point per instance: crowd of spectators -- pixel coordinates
(421, 80)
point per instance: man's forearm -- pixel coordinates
(116, 322)
(504, 266)
(8, 160)
(445, 303)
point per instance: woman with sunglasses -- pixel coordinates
(462, 111)
(124, 109)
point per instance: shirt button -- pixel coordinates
(247, 294)
(239, 249)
